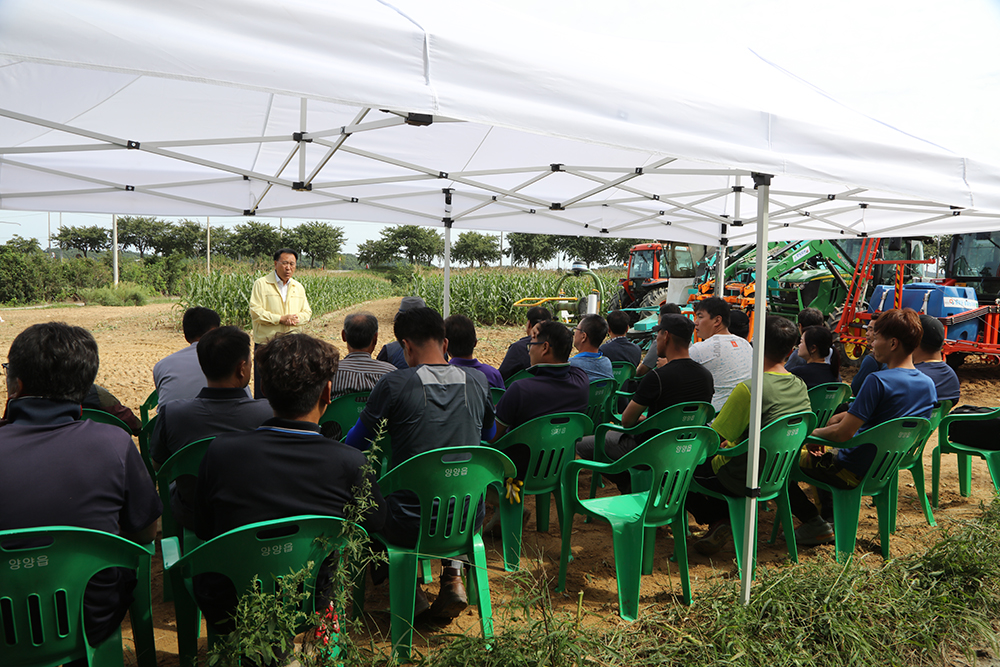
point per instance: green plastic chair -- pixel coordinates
(148, 406)
(893, 440)
(41, 596)
(825, 398)
(680, 415)
(102, 417)
(552, 440)
(145, 438)
(185, 461)
(914, 462)
(965, 454)
(345, 410)
(267, 550)
(672, 457)
(623, 371)
(780, 442)
(520, 375)
(599, 404)
(496, 393)
(442, 478)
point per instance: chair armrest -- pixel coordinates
(171, 548)
(966, 417)
(600, 433)
(822, 441)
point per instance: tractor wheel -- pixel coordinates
(850, 354)
(955, 359)
(619, 300)
(653, 299)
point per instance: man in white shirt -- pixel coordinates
(729, 358)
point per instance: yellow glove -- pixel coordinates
(514, 487)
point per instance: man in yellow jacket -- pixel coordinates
(278, 304)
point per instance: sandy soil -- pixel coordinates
(131, 340)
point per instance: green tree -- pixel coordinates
(376, 252)
(255, 239)
(475, 247)
(587, 249)
(138, 232)
(23, 245)
(618, 250)
(84, 239)
(320, 241)
(186, 238)
(221, 243)
(530, 249)
(417, 244)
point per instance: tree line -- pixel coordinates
(420, 245)
(319, 242)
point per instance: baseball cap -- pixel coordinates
(411, 302)
(675, 325)
(933, 337)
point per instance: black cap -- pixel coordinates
(933, 337)
(676, 325)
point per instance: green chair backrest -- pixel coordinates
(184, 461)
(520, 375)
(448, 481)
(261, 550)
(917, 450)
(496, 393)
(552, 440)
(893, 440)
(825, 398)
(148, 405)
(145, 437)
(623, 371)
(41, 599)
(780, 442)
(345, 410)
(599, 405)
(672, 457)
(694, 413)
(103, 417)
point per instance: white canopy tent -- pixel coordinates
(456, 115)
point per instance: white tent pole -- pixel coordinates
(114, 245)
(763, 186)
(448, 222)
(208, 245)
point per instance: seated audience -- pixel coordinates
(927, 359)
(426, 406)
(358, 371)
(899, 391)
(649, 359)
(220, 407)
(587, 336)
(555, 386)
(179, 375)
(680, 380)
(99, 398)
(618, 347)
(460, 332)
(284, 468)
(820, 361)
(739, 324)
(808, 317)
(516, 358)
(781, 394)
(60, 471)
(726, 356)
(393, 352)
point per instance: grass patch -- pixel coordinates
(126, 294)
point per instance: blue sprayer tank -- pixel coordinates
(934, 300)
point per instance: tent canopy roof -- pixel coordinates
(447, 113)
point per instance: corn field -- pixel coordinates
(228, 294)
(487, 296)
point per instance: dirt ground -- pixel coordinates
(132, 339)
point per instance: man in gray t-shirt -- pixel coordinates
(729, 358)
(429, 405)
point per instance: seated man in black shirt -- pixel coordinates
(618, 347)
(282, 469)
(680, 380)
(222, 407)
(60, 471)
(516, 358)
